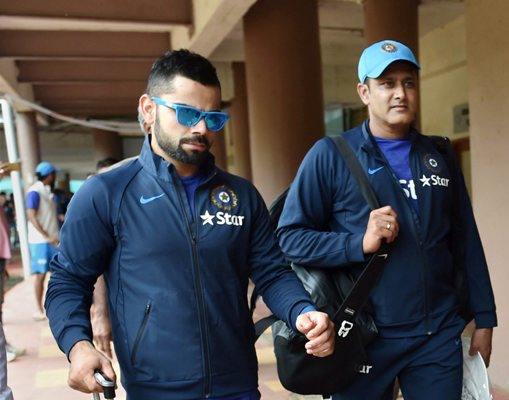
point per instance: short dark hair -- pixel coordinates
(180, 62)
(41, 177)
(105, 162)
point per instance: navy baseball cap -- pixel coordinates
(377, 57)
(45, 168)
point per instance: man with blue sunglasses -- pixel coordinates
(190, 116)
(177, 240)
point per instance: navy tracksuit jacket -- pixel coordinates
(177, 289)
(325, 218)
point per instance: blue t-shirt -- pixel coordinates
(397, 153)
(190, 184)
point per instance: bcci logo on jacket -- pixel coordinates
(224, 198)
(431, 163)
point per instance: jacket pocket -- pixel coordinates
(141, 330)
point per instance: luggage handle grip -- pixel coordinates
(107, 385)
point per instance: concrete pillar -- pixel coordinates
(240, 154)
(107, 144)
(487, 28)
(392, 19)
(284, 82)
(28, 144)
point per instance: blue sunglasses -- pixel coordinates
(190, 116)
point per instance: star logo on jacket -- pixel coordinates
(224, 198)
(207, 218)
(434, 180)
(222, 218)
(425, 180)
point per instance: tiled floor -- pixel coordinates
(41, 374)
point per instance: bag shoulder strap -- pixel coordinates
(359, 293)
(263, 324)
(356, 170)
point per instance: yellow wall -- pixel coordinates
(340, 84)
(487, 24)
(444, 82)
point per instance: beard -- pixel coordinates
(174, 149)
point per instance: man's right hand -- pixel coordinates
(382, 224)
(85, 360)
(53, 240)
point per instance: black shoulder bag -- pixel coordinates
(343, 299)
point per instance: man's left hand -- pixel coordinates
(101, 328)
(481, 342)
(319, 330)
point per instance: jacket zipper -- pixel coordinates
(140, 332)
(418, 233)
(425, 272)
(417, 230)
(199, 295)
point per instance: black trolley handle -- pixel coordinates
(107, 385)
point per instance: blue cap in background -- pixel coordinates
(45, 168)
(377, 57)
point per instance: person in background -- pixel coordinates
(105, 163)
(5, 253)
(62, 196)
(10, 214)
(5, 390)
(43, 231)
(426, 218)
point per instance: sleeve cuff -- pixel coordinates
(307, 309)
(355, 253)
(70, 339)
(485, 320)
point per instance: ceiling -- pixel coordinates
(90, 59)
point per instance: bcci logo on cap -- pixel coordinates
(389, 47)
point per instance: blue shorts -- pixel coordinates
(40, 256)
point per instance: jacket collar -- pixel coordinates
(370, 144)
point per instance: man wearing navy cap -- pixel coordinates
(426, 217)
(43, 232)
